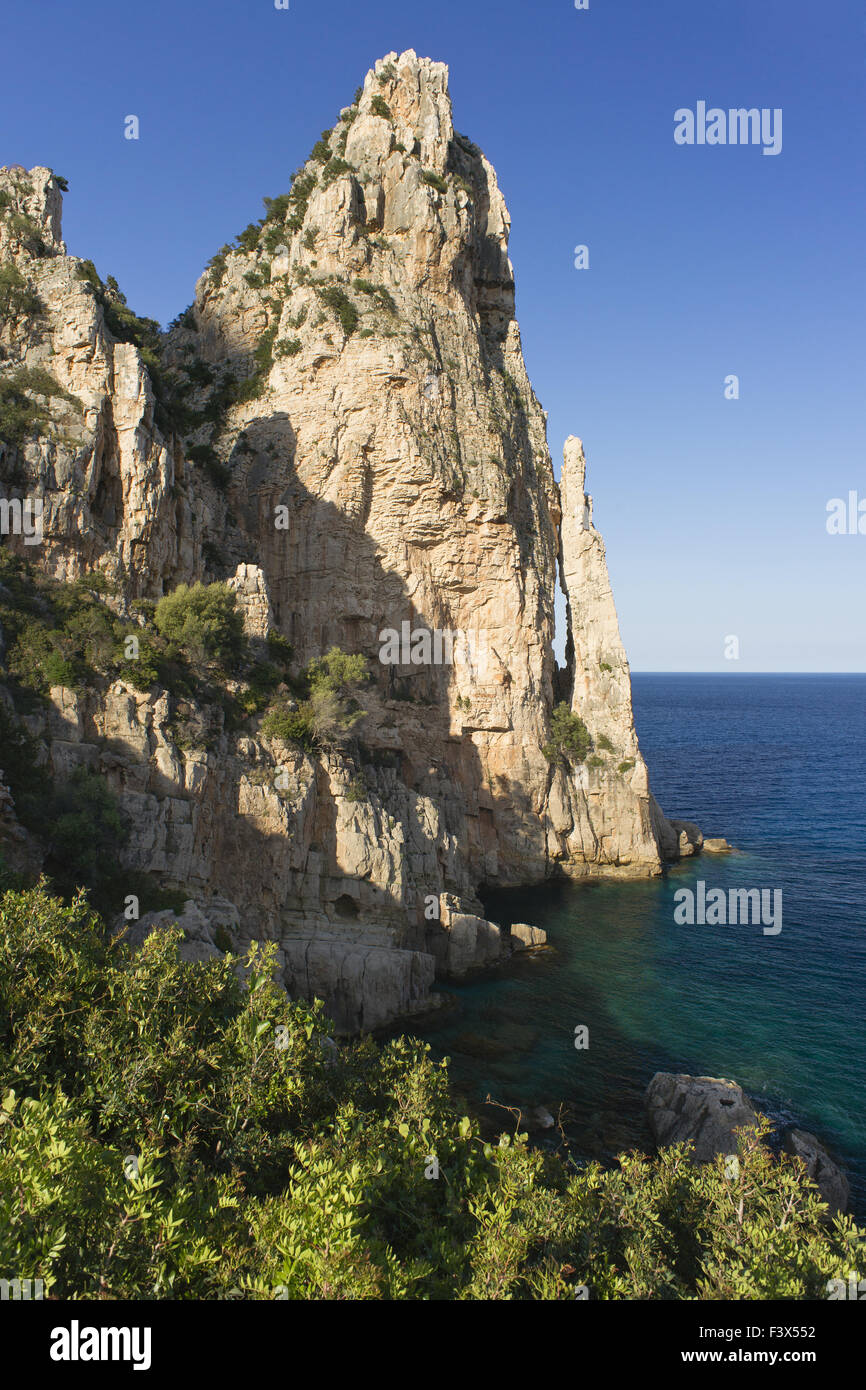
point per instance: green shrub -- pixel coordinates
(21, 417)
(569, 737)
(299, 197)
(434, 180)
(57, 634)
(202, 622)
(85, 832)
(248, 239)
(216, 268)
(276, 208)
(321, 151)
(341, 305)
(604, 743)
(287, 347)
(290, 725)
(358, 789)
(272, 1164)
(337, 670)
(279, 648)
(27, 232)
(17, 298)
(380, 107)
(333, 169)
(378, 292)
(604, 666)
(77, 821)
(626, 766)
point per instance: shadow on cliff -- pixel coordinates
(328, 586)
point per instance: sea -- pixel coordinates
(776, 764)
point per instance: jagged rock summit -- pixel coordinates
(341, 427)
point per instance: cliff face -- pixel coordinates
(342, 427)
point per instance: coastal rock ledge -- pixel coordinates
(706, 1110)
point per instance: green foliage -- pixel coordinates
(569, 737)
(337, 670)
(25, 230)
(169, 1132)
(77, 821)
(299, 197)
(248, 239)
(626, 766)
(143, 333)
(378, 292)
(604, 666)
(321, 151)
(57, 634)
(380, 107)
(217, 266)
(434, 180)
(17, 298)
(204, 623)
(276, 208)
(604, 743)
(595, 761)
(333, 169)
(331, 708)
(85, 831)
(358, 789)
(287, 347)
(290, 724)
(22, 417)
(340, 304)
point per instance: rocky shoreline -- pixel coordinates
(706, 1111)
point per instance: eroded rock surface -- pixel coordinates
(351, 441)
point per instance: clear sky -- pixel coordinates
(704, 261)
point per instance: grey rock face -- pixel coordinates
(706, 1111)
(703, 1110)
(827, 1176)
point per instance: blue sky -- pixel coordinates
(704, 261)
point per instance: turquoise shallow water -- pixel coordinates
(776, 764)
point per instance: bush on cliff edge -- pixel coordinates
(167, 1132)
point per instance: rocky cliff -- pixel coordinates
(340, 427)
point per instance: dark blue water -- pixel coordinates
(777, 765)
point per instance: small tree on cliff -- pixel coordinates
(570, 740)
(204, 624)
